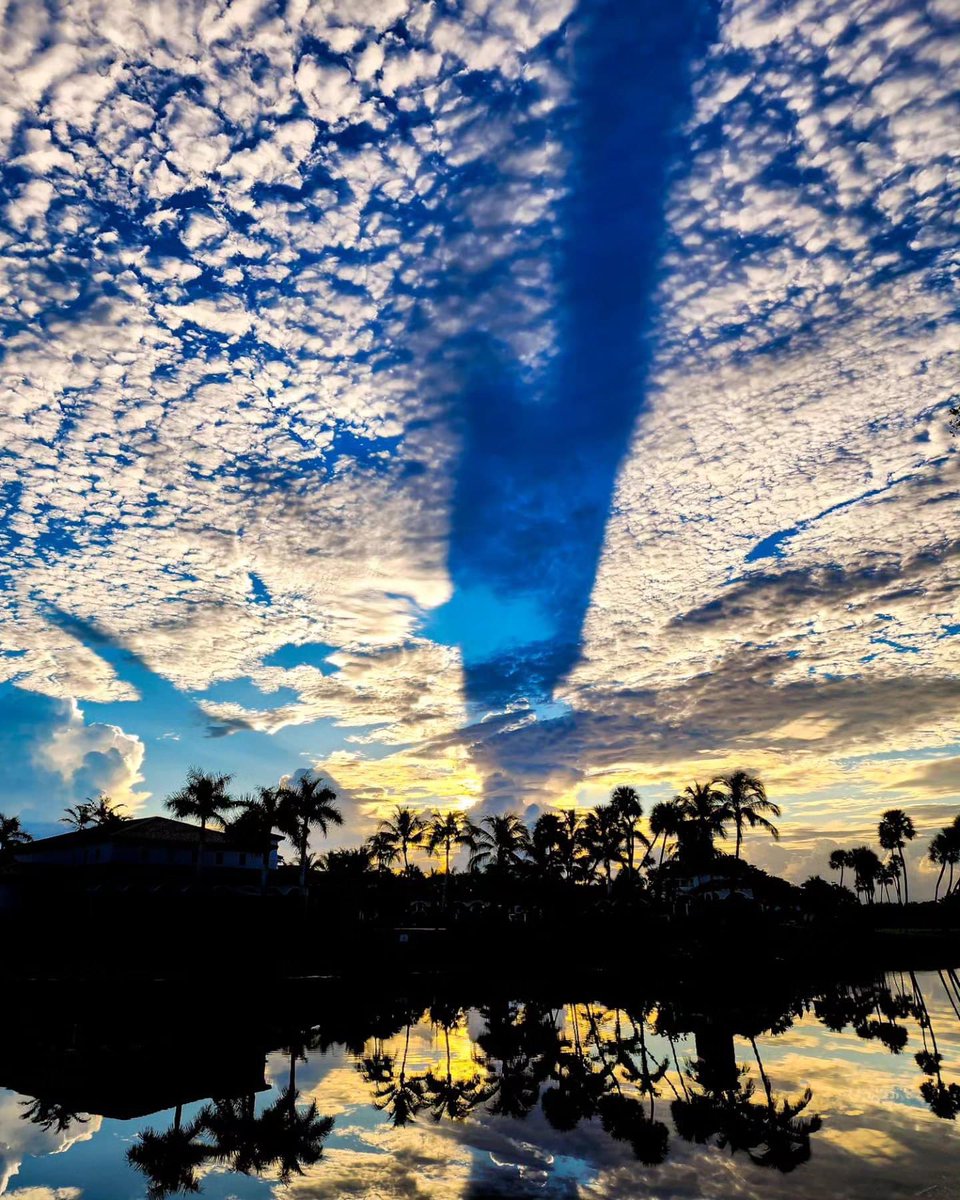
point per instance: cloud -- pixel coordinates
(251, 262)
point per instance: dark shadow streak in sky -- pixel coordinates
(536, 478)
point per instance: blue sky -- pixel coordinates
(487, 403)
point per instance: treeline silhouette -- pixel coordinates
(651, 1066)
(609, 842)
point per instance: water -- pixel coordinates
(814, 1092)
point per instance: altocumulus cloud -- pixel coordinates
(243, 253)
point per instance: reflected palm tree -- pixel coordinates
(287, 1137)
(51, 1115)
(519, 1048)
(445, 1096)
(784, 1141)
(171, 1160)
(402, 1098)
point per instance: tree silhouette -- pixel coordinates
(944, 849)
(603, 839)
(666, 820)
(705, 813)
(570, 845)
(204, 798)
(404, 830)
(627, 809)
(839, 860)
(547, 839)
(894, 831)
(305, 806)
(259, 816)
(12, 835)
(745, 798)
(498, 841)
(51, 1114)
(866, 869)
(171, 1160)
(383, 850)
(445, 831)
(96, 810)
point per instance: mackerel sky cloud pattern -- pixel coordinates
(362, 408)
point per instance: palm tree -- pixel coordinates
(705, 814)
(746, 799)
(206, 799)
(77, 817)
(12, 835)
(894, 831)
(445, 831)
(499, 841)
(259, 816)
(866, 868)
(307, 805)
(839, 860)
(405, 830)
(625, 802)
(666, 819)
(604, 839)
(570, 845)
(945, 850)
(888, 877)
(383, 850)
(546, 844)
(104, 812)
(99, 810)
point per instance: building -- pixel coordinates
(145, 842)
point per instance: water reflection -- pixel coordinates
(510, 1097)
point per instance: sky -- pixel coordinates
(483, 403)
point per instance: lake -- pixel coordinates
(847, 1091)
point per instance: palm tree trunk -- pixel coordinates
(446, 874)
(177, 1117)
(936, 891)
(201, 844)
(903, 872)
(304, 837)
(739, 838)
